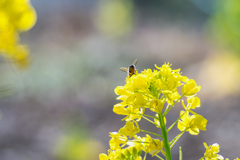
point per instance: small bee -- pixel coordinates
(131, 69)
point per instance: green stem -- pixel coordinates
(143, 93)
(159, 157)
(166, 108)
(176, 138)
(180, 153)
(166, 112)
(152, 133)
(176, 121)
(148, 116)
(165, 139)
(148, 120)
(145, 156)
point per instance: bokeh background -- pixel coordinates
(60, 108)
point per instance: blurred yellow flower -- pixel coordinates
(15, 16)
(103, 156)
(220, 75)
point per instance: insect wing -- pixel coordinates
(131, 69)
(124, 69)
(135, 62)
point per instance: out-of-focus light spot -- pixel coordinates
(114, 17)
(220, 75)
(75, 148)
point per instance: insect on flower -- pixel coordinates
(131, 69)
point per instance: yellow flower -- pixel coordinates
(103, 156)
(130, 152)
(171, 97)
(112, 155)
(120, 109)
(15, 16)
(237, 158)
(19, 14)
(136, 99)
(116, 140)
(144, 89)
(150, 75)
(192, 123)
(211, 152)
(130, 112)
(156, 105)
(139, 82)
(151, 146)
(167, 82)
(190, 88)
(121, 90)
(166, 70)
(130, 129)
(193, 102)
(151, 89)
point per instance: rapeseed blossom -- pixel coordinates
(190, 88)
(132, 153)
(150, 145)
(116, 140)
(129, 129)
(157, 91)
(192, 123)
(16, 16)
(212, 152)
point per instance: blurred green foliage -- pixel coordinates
(225, 24)
(77, 145)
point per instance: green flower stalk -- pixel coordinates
(158, 91)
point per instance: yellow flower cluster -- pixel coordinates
(155, 90)
(128, 153)
(212, 151)
(15, 16)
